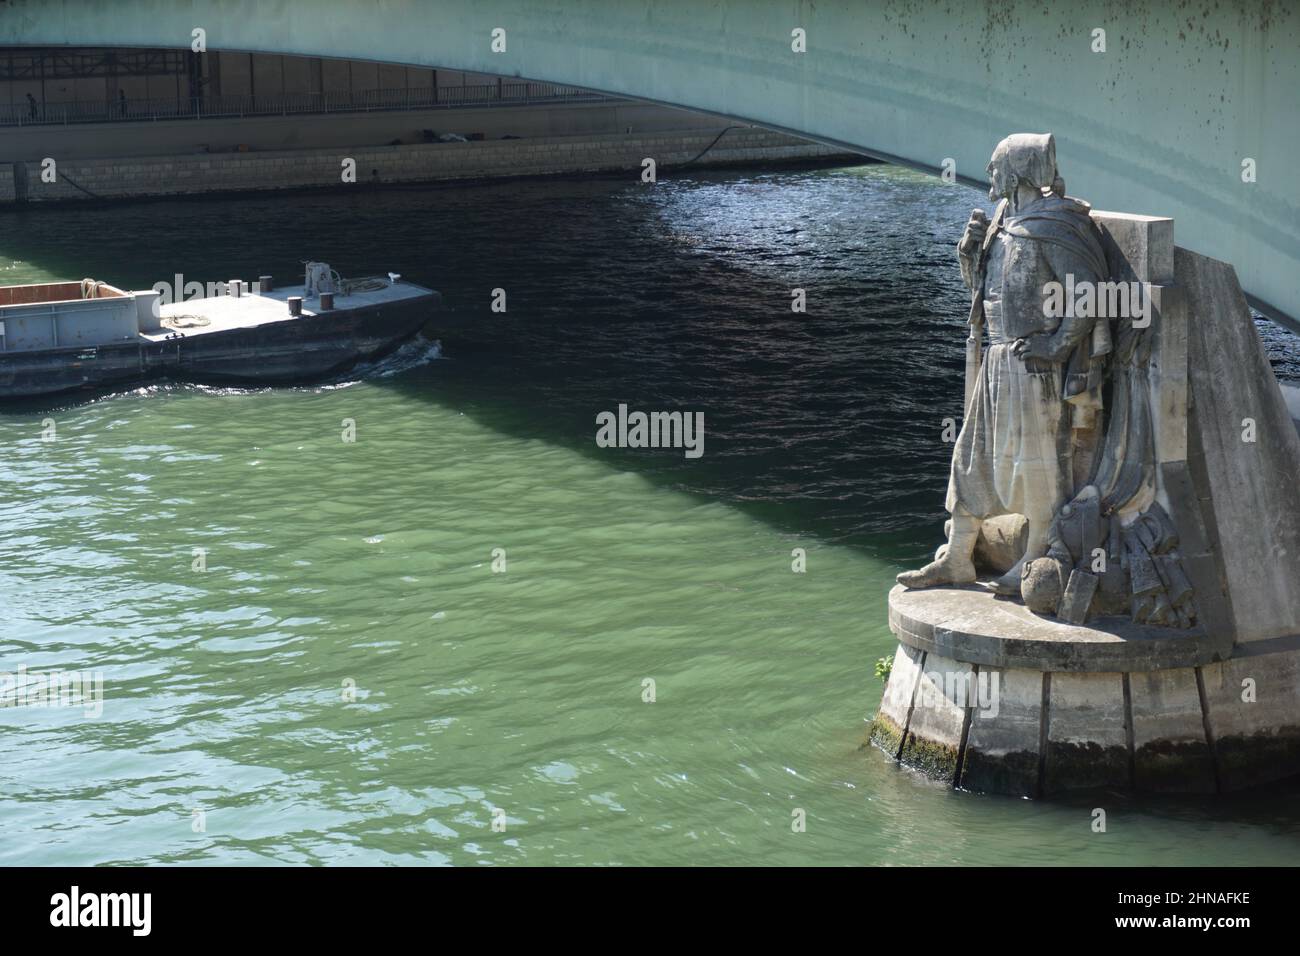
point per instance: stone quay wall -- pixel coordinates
(178, 175)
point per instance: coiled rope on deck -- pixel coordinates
(364, 284)
(185, 321)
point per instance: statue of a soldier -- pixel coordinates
(1039, 381)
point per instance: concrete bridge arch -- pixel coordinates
(1160, 113)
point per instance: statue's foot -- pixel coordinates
(1008, 585)
(948, 569)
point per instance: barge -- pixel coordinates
(67, 336)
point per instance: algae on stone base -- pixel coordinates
(930, 757)
(1164, 765)
(1084, 766)
(885, 734)
(1015, 774)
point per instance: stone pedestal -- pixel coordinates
(990, 697)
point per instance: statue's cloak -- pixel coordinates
(1062, 221)
(1014, 453)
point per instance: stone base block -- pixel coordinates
(887, 729)
(1252, 703)
(1087, 732)
(933, 738)
(1003, 745)
(1171, 749)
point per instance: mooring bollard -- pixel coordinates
(264, 284)
(295, 305)
(326, 301)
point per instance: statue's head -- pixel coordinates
(1023, 159)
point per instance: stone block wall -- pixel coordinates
(154, 176)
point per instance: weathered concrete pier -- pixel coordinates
(992, 697)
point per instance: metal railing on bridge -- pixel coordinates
(511, 93)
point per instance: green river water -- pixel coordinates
(226, 735)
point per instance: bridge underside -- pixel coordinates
(1159, 123)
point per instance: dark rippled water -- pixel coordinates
(371, 563)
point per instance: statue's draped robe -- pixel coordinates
(1013, 455)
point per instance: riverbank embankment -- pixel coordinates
(335, 166)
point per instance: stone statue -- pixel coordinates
(1014, 452)
(1033, 440)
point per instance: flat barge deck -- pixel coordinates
(62, 337)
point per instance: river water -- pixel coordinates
(351, 681)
